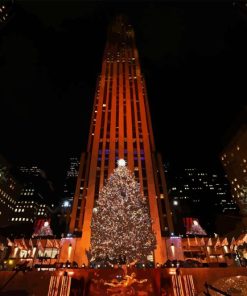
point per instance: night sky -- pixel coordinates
(193, 56)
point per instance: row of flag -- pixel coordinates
(23, 244)
(217, 242)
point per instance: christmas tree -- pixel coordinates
(121, 225)
(196, 229)
(45, 230)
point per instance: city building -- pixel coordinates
(234, 161)
(121, 128)
(60, 218)
(35, 199)
(9, 193)
(200, 194)
(70, 181)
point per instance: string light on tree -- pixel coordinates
(196, 228)
(121, 225)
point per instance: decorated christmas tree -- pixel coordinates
(121, 225)
(44, 230)
(196, 229)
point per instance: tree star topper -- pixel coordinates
(121, 162)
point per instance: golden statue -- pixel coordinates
(124, 286)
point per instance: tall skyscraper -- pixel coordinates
(121, 128)
(234, 160)
(9, 193)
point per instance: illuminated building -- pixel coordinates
(234, 160)
(34, 199)
(9, 192)
(70, 181)
(193, 190)
(121, 128)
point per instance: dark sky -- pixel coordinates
(193, 55)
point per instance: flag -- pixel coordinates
(49, 244)
(233, 243)
(18, 244)
(202, 242)
(31, 243)
(24, 246)
(225, 242)
(56, 244)
(217, 243)
(210, 242)
(62, 241)
(9, 242)
(39, 245)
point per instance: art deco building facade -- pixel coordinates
(121, 128)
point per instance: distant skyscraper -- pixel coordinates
(121, 128)
(35, 199)
(199, 193)
(9, 193)
(70, 180)
(234, 160)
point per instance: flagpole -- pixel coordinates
(51, 252)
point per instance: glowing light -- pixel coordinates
(175, 202)
(66, 204)
(121, 162)
(15, 251)
(33, 252)
(46, 224)
(173, 250)
(69, 251)
(195, 222)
